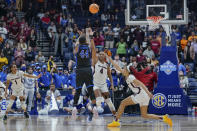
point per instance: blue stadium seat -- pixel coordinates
(192, 80)
(193, 84)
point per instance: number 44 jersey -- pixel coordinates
(83, 57)
(16, 80)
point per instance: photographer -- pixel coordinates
(145, 74)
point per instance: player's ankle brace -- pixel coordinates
(99, 100)
(110, 104)
(10, 104)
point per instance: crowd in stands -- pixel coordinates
(59, 22)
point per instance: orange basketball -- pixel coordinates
(94, 8)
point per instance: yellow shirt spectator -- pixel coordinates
(193, 36)
(3, 61)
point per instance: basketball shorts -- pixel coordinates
(84, 76)
(18, 92)
(102, 87)
(142, 98)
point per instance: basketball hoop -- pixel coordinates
(153, 22)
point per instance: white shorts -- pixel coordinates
(18, 92)
(142, 98)
(102, 87)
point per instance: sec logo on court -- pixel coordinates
(159, 100)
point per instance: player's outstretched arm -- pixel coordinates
(114, 64)
(140, 84)
(94, 56)
(31, 76)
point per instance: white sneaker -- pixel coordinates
(95, 113)
(100, 109)
(74, 114)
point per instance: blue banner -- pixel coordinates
(168, 96)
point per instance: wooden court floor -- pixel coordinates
(63, 123)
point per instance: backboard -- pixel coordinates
(175, 12)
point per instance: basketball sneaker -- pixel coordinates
(114, 124)
(167, 120)
(74, 114)
(26, 115)
(5, 117)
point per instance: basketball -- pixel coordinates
(94, 8)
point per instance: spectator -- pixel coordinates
(149, 52)
(139, 35)
(22, 35)
(3, 32)
(56, 94)
(99, 39)
(8, 52)
(118, 62)
(154, 61)
(155, 46)
(177, 34)
(140, 57)
(33, 39)
(184, 83)
(3, 75)
(22, 45)
(134, 48)
(194, 44)
(124, 61)
(192, 37)
(40, 58)
(14, 28)
(19, 56)
(65, 78)
(121, 48)
(109, 37)
(184, 42)
(52, 27)
(189, 71)
(50, 63)
(29, 55)
(46, 78)
(3, 60)
(58, 78)
(116, 31)
(189, 55)
(182, 68)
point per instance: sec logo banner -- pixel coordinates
(159, 100)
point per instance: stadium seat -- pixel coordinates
(192, 80)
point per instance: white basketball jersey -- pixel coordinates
(129, 81)
(100, 72)
(16, 80)
(29, 83)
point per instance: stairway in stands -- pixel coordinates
(42, 41)
(43, 45)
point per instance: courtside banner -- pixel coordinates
(168, 96)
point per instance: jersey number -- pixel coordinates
(16, 82)
(136, 87)
(84, 54)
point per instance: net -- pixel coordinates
(153, 22)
